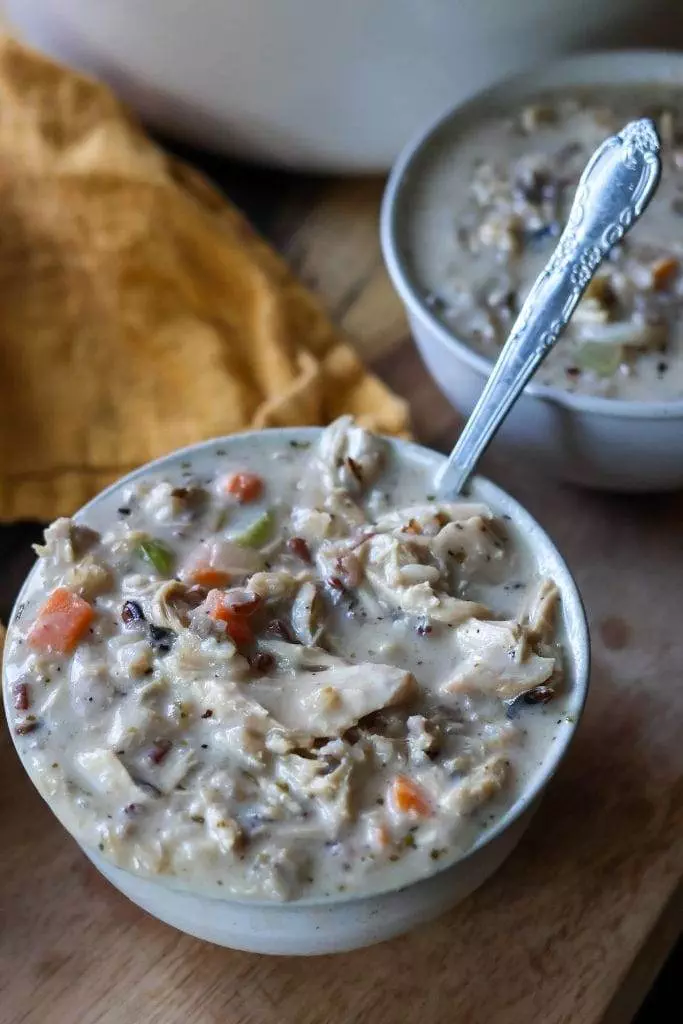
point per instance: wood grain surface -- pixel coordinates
(555, 935)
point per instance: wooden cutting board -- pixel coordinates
(575, 924)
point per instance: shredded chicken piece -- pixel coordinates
(423, 738)
(482, 784)
(133, 658)
(165, 502)
(348, 457)
(103, 773)
(89, 578)
(169, 605)
(307, 615)
(471, 545)
(91, 686)
(65, 541)
(224, 829)
(131, 726)
(429, 519)
(172, 770)
(275, 586)
(313, 524)
(329, 701)
(193, 657)
(541, 610)
(386, 559)
(496, 658)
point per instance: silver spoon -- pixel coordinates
(615, 188)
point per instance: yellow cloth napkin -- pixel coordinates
(138, 310)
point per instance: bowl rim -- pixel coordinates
(545, 77)
(578, 658)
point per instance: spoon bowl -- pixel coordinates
(612, 444)
(614, 190)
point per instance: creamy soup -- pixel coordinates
(487, 206)
(285, 669)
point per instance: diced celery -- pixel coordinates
(258, 533)
(600, 358)
(157, 554)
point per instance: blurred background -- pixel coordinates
(319, 84)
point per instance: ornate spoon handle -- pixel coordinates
(614, 189)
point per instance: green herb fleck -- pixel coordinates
(157, 554)
(409, 841)
(300, 444)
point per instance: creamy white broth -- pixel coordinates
(268, 767)
(487, 205)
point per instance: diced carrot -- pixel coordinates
(214, 606)
(239, 631)
(237, 627)
(246, 487)
(203, 569)
(663, 272)
(61, 623)
(383, 835)
(206, 576)
(409, 798)
(231, 604)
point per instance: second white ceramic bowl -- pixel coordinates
(328, 925)
(597, 442)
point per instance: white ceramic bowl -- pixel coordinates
(310, 926)
(327, 84)
(598, 442)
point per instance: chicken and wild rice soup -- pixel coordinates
(488, 206)
(285, 669)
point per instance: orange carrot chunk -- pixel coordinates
(663, 272)
(61, 624)
(239, 631)
(206, 576)
(204, 567)
(409, 798)
(218, 607)
(246, 487)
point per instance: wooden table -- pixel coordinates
(574, 926)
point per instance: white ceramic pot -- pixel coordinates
(333, 84)
(328, 925)
(596, 442)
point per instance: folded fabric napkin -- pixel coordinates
(138, 310)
